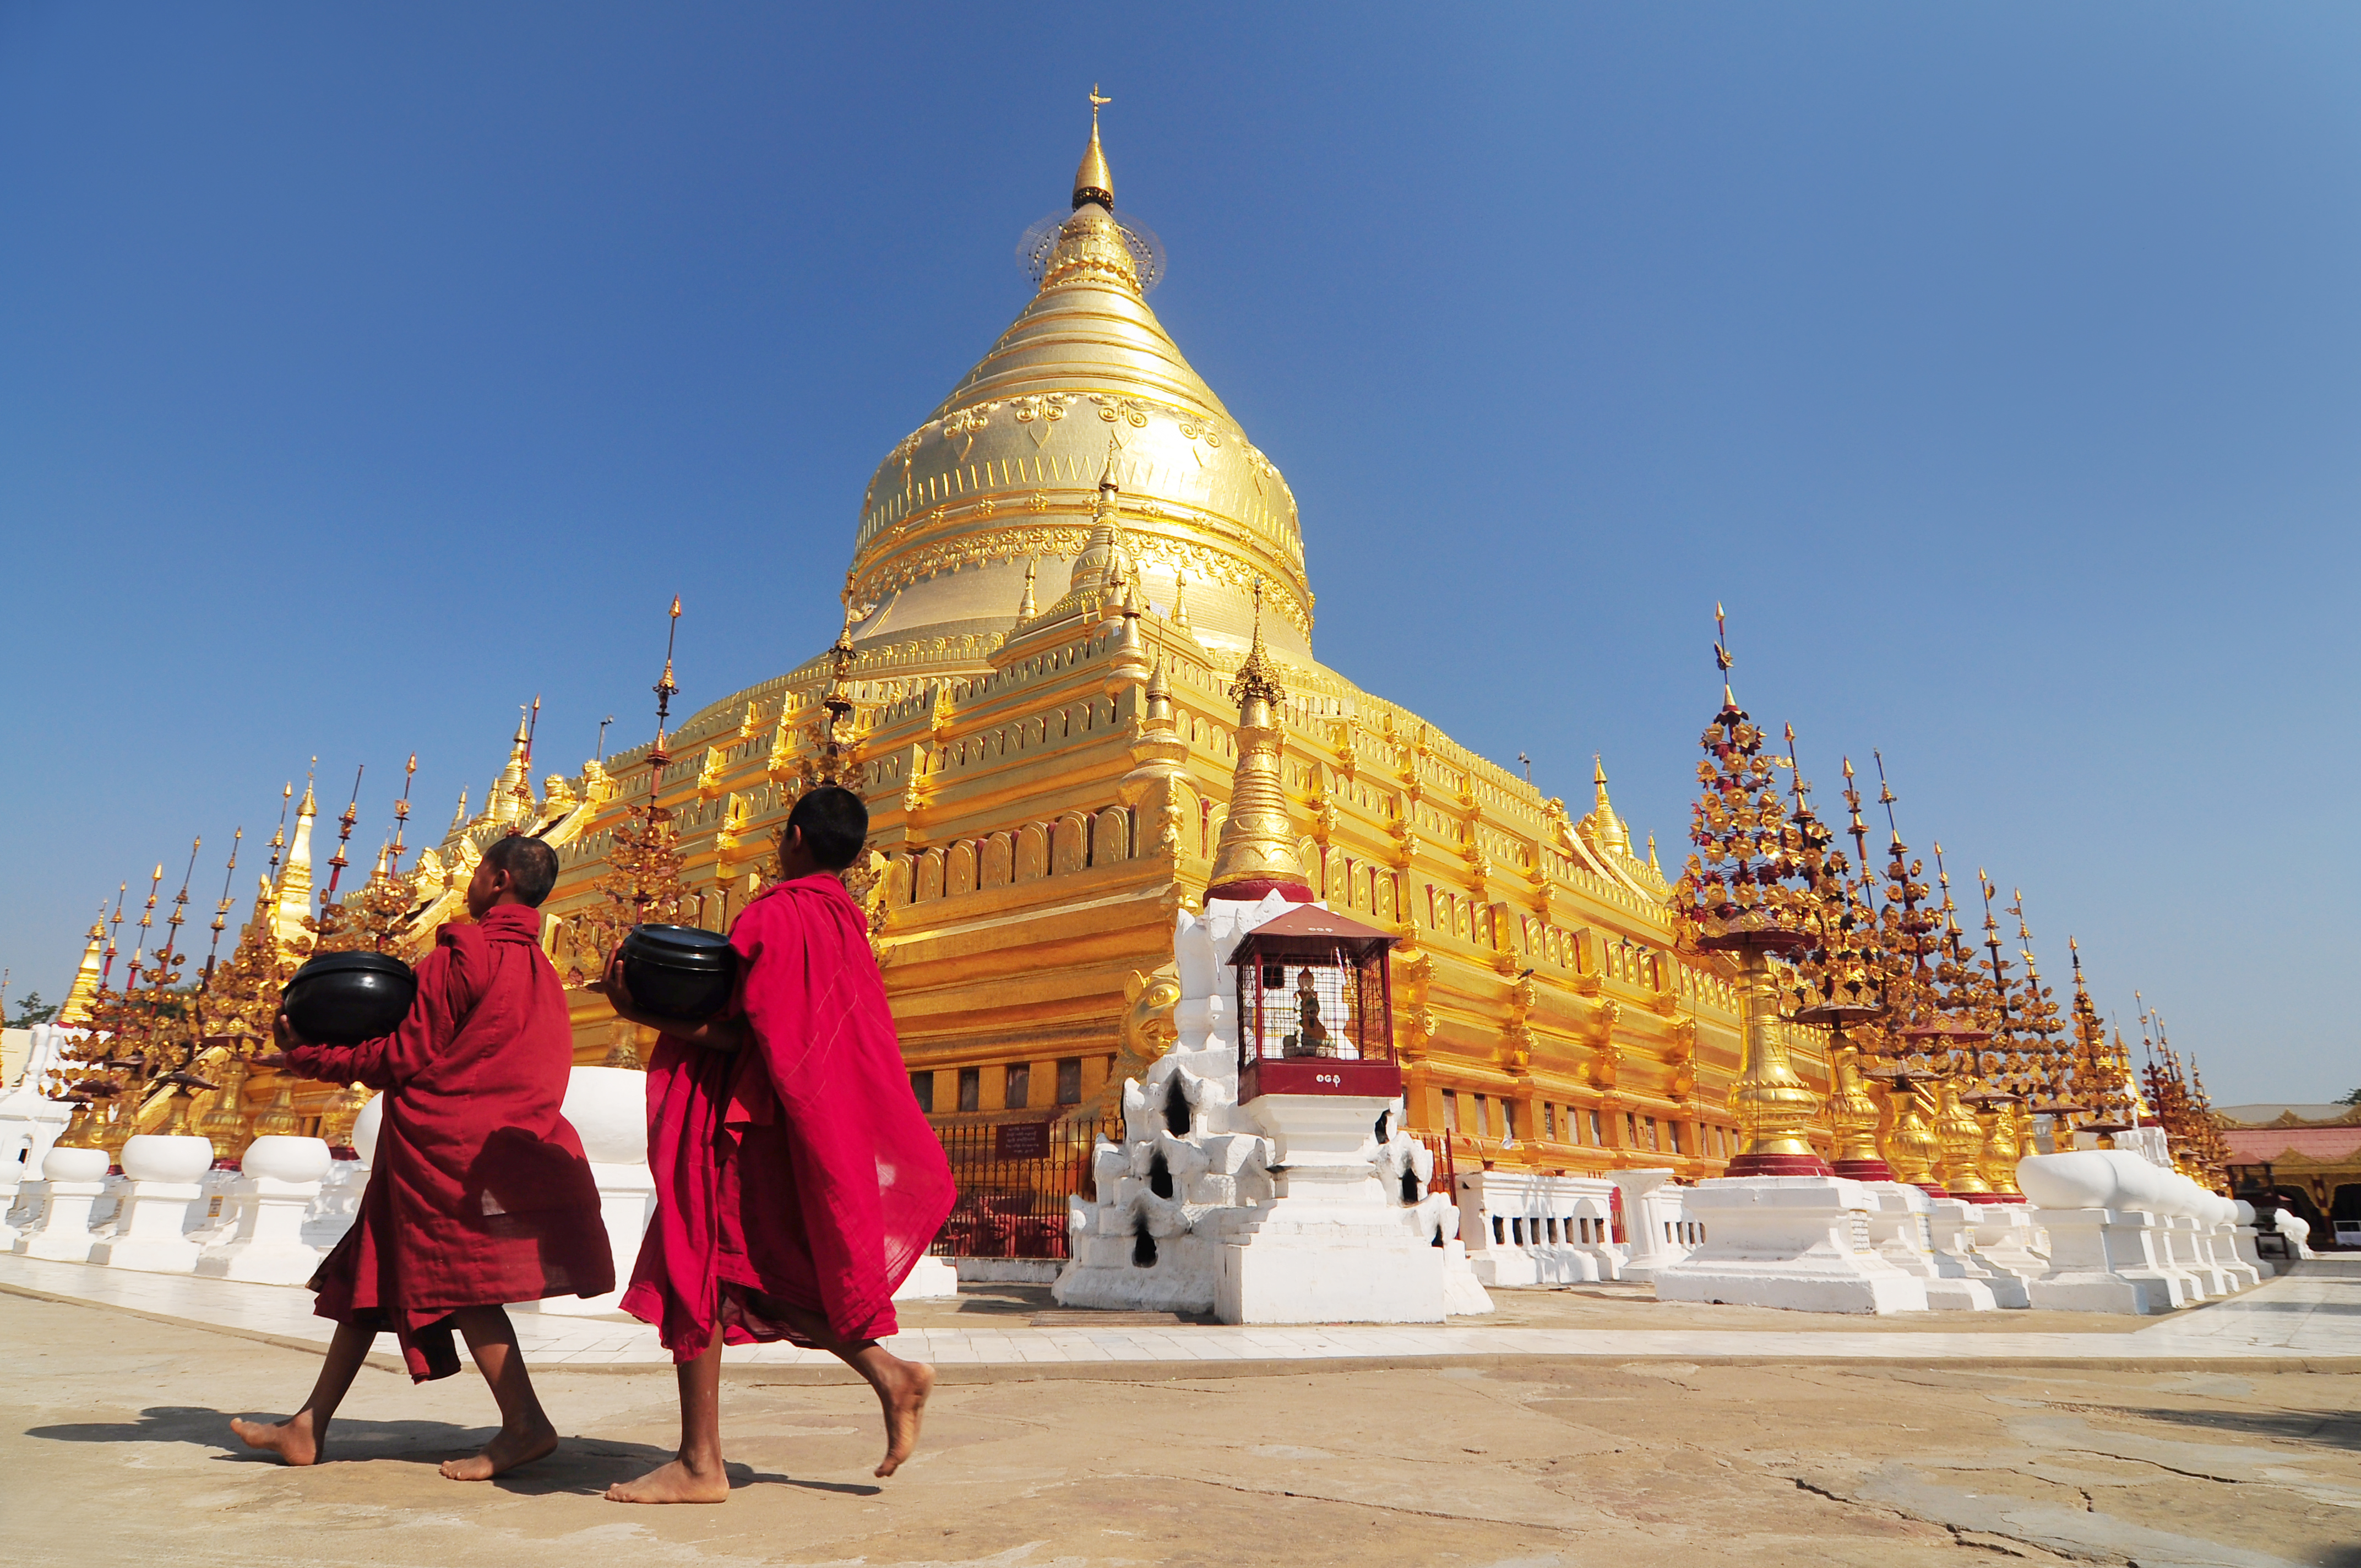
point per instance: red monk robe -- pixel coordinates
(800, 1167)
(479, 1194)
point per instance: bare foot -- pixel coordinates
(903, 1392)
(504, 1453)
(672, 1483)
(292, 1440)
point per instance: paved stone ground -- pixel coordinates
(117, 1452)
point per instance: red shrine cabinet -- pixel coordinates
(1315, 1008)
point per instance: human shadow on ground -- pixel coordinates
(2331, 1428)
(580, 1464)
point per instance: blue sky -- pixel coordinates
(363, 374)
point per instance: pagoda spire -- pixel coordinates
(292, 899)
(1257, 854)
(1101, 557)
(1605, 829)
(1092, 183)
(74, 1011)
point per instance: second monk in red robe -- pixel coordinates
(797, 1182)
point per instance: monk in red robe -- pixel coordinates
(797, 1182)
(479, 1194)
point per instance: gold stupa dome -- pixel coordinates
(1004, 474)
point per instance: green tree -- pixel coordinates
(2352, 1099)
(32, 1011)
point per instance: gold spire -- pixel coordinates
(1181, 603)
(292, 900)
(1605, 829)
(1091, 181)
(1100, 557)
(1256, 852)
(75, 1011)
(1159, 711)
(512, 795)
(1024, 610)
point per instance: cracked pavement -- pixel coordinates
(119, 1452)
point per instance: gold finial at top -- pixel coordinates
(1091, 181)
(1721, 654)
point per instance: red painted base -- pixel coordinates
(1993, 1197)
(1863, 1169)
(1253, 890)
(1318, 1075)
(1931, 1189)
(1778, 1165)
(346, 1153)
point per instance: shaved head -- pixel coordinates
(532, 866)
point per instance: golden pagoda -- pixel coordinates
(1081, 519)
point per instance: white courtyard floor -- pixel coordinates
(2310, 1320)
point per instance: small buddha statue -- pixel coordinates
(1311, 1037)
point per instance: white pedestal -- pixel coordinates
(2010, 1245)
(164, 1173)
(275, 1190)
(2221, 1244)
(1332, 1247)
(148, 1234)
(72, 1181)
(25, 1206)
(1648, 1250)
(934, 1279)
(338, 1205)
(2187, 1248)
(1902, 1228)
(2105, 1260)
(1798, 1242)
(1951, 1226)
(2241, 1246)
(61, 1232)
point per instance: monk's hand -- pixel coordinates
(614, 987)
(283, 1035)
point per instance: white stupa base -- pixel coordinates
(1463, 1292)
(2105, 1260)
(1330, 1247)
(934, 1279)
(1309, 1263)
(1796, 1242)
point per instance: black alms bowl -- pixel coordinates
(679, 971)
(342, 999)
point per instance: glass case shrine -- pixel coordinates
(1315, 1008)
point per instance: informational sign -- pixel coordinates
(1020, 1140)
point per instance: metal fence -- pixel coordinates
(1014, 1180)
